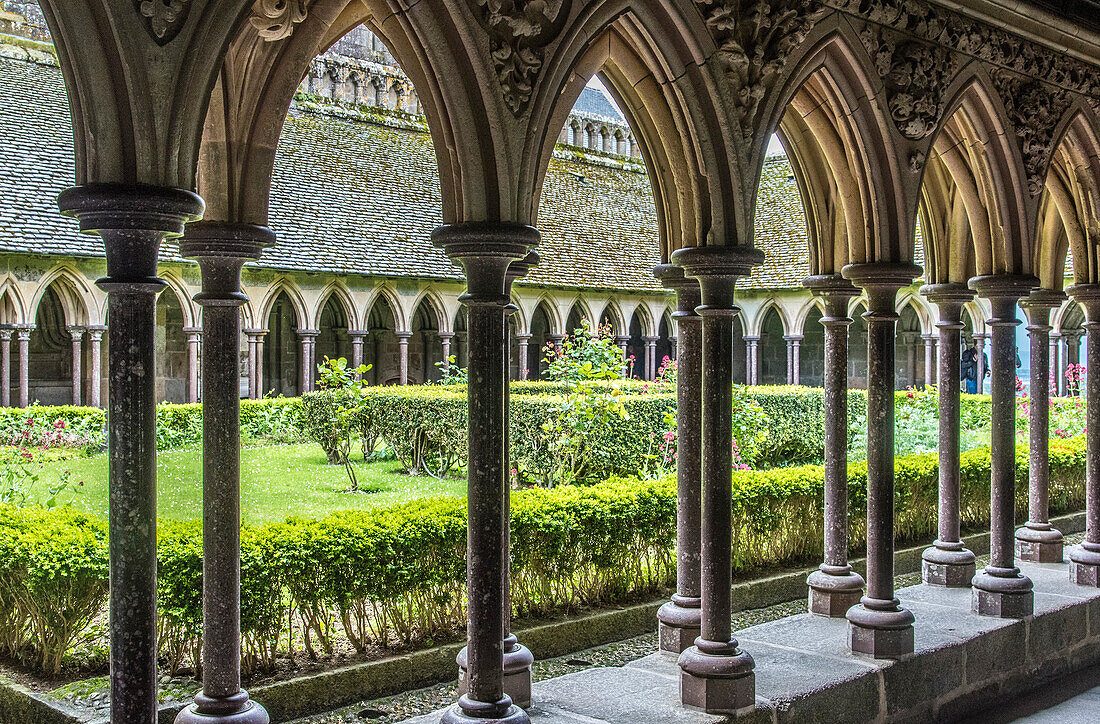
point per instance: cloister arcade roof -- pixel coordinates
(353, 196)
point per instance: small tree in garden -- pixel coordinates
(588, 361)
(331, 417)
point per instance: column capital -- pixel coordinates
(953, 295)
(622, 339)
(717, 269)
(520, 337)
(651, 340)
(686, 288)
(1038, 306)
(358, 334)
(1004, 286)
(76, 330)
(221, 249)
(793, 337)
(403, 337)
(881, 281)
(193, 330)
(23, 331)
(309, 333)
(1088, 296)
(521, 267)
(751, 337)
(835, 291)
(5, 333)
(258, 333)
(132, 220)
(486, 250)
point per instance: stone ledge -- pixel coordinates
(806, 675)
(327, 690)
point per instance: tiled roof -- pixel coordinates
(355, 197)
(592, 100)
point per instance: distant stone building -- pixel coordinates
(355, 196)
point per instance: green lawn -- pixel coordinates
(276, 481)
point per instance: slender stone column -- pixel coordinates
(556, 340)
(1056, 365)
(624, 341)
(194, 341)
(485, 251)
(253, 363)
(948, 562)
(651, 357)
(5, 366)
(716, 675)
(1000, 589)
(77, 334)
(95, 340)
(221, 250)
(679, 620)
(1038, 540)
(793, 342)
(980, 339)
(673, 343)
(835, 587)
(518, 659)
(1072, 357)
(879, 626)
(523, 341)
(752, 357)
(1084, 560)
(23, 335)
(403, 356)
(308, 338)
(260, 334)
(132, 221)
(929, 359)
(445, 339)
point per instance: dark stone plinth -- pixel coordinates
(1003, 593)
(236, 709)
(517, 671)
(470, 711)
(718, 683)
(678, 624)
(832, 594)
(1040, 545)
(951, 566)
(880, 629)
(1084, 565)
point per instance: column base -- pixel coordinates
(1084, 565)
(517, 672)
(948, 564)
(1040, 543)
(468, 711)
(237, 709)
(678, 624)
(717, 678)
(833, 590)
(1002, 592)
(880, 629)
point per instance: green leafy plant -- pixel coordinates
(451, 374)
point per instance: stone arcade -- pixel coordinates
(980, 119)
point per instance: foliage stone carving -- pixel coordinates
(754, 40)
(915, 75)
(163, 18)
(519, 31)
(276, 19)
(1035, 109)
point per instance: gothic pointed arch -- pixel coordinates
(289, 289)
(431, 300)
(73, 293)
(13, 309)
(985, 183)
(178, 288)
(336, 291)
(612, 314)
(1069, 212)
(387, 295)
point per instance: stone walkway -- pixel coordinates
(805, 673)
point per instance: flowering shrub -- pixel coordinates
(1074, 375)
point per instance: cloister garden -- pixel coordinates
(353, 502)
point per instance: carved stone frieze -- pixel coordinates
(276, 19)
(754, 40)
(519, 31)
(934, 24)
(1035, 109)
(915, 76)
(163, 18)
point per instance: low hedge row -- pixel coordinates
(397, 574)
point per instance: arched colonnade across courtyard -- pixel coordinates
(992, 142)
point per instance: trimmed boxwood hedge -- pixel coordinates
(397, 575)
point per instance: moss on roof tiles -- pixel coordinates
(351, 196)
